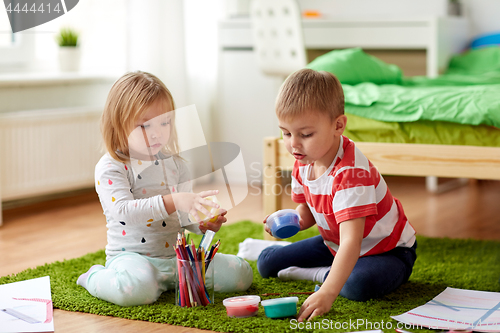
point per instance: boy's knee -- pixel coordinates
(363, 287)
(265, 262)
(357, 291)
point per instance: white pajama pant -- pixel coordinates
(132, 279)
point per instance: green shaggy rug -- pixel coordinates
(441, 263)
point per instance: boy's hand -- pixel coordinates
(266, 228)
(214, 226)
(315, 305)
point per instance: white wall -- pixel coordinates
(332, 9)
(484, 16)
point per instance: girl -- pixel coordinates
(145, 192)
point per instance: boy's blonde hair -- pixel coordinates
(128, 100)
(310, 90)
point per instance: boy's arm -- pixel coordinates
(351, 235)
(306, 217)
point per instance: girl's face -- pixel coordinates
(151, 132)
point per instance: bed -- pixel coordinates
(443, 127)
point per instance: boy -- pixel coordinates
(367, 246)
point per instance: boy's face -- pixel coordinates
(151, 132)
(313, 137)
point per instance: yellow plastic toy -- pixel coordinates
(215, 211)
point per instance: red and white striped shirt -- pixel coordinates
(352, 188)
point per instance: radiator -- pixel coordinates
(48, 151)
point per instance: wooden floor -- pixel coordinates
(70, 227)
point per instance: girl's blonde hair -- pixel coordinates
(128, 100)
(310, 90)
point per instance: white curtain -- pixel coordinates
(177, 41)
(200, 30)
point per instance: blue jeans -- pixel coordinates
(372, 277)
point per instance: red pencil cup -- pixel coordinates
(194, 283)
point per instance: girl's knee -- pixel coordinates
(265, 264)
(126, 281)
(136, 288)
(231, 273)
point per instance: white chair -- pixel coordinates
(277, 35)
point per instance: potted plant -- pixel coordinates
(454, 8)
(69, 50)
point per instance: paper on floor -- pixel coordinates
(457, 309)
(250, 248)
(29, 300)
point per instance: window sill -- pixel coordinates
(12, 80)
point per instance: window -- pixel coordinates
(15, 49)
(6, 35)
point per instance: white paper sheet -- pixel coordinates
(457, 309)
(31, 298)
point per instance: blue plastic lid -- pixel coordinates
(284, 223)
(279, 301)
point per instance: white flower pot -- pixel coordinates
(69, 58)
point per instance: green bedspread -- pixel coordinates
(469, 93)
(362, 129)
(473, 105)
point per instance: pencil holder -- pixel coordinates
(194, 283)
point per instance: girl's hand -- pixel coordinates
(214, 226)
(192, 203)
(315, 305)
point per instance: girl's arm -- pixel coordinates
(351, 235)
(184, 195)
(115, 193)
(190, 202)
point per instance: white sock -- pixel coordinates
(316, 274)
(82, 279)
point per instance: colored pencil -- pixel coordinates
(193, 248)
(203, 265)
(181, 300)
(210, 253)
(192, 269)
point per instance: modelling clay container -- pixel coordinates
(242, 306)
(280, 307)
(215, 211)
(284, 223)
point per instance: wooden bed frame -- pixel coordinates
(390, 159)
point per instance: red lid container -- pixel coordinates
(242, 306)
